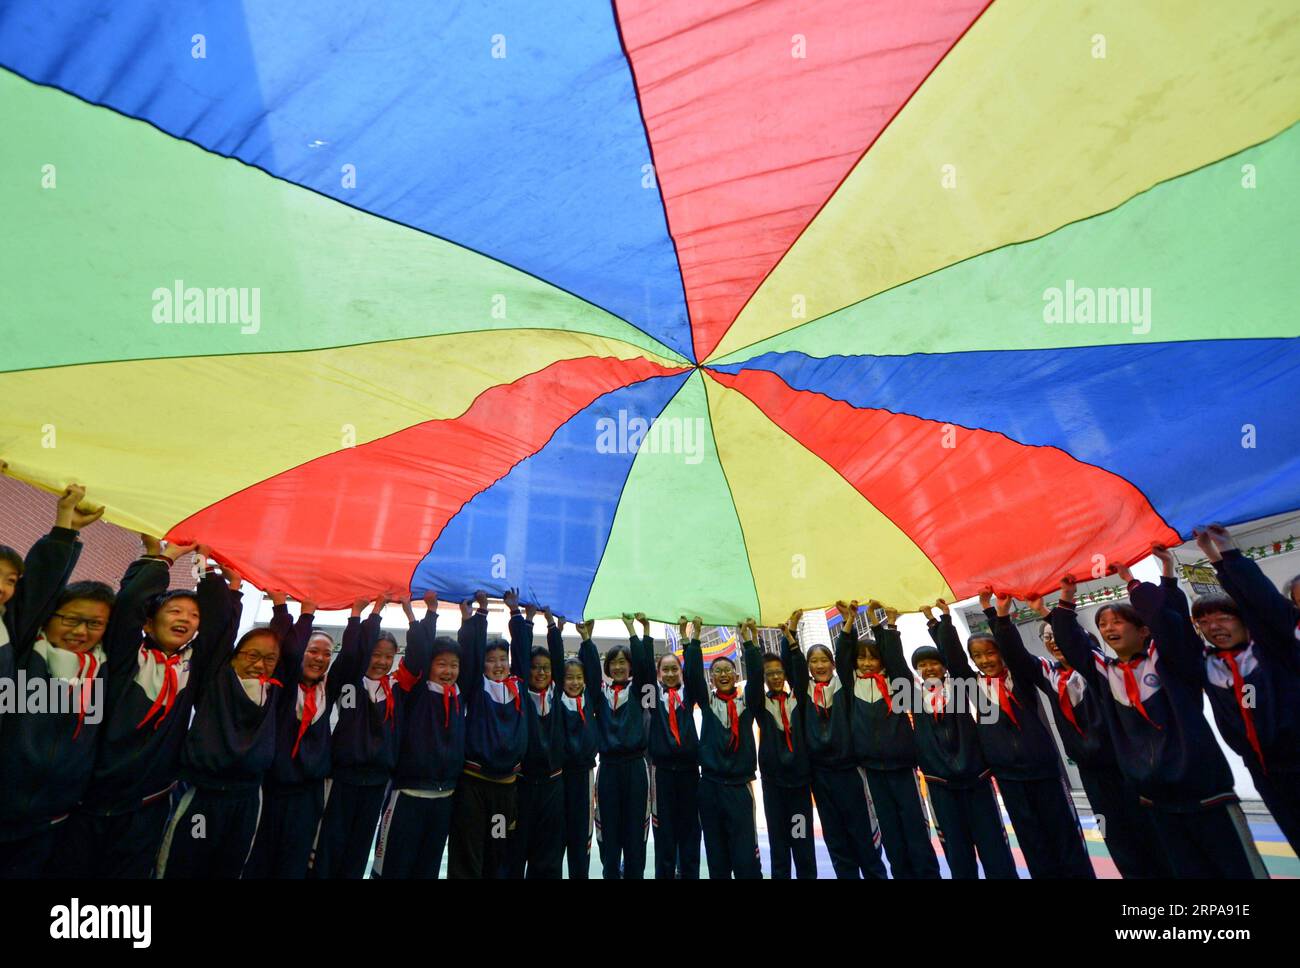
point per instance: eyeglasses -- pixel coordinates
(72, 621)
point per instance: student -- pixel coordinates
(47, 749)
(674, 775)
(430, 753)
(293, 792)
(28, 589)
(158, 645)
(623, 778)
(1153, 707)
(848, 822)
(728, 759)
(229, 747)
(783, 754)
(581, 743)
(537, 848)
(485, 807)
(1124, 823)
(363, 747)
(948, 753)
(885, 747)
(1018, 746)
(1252, 661)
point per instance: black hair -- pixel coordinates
(981, 637)
(385, 637)
(1124, 610)
(252, 634)
(613, 651)
(723, 658)
(11, 556)
(536, 651)
(927, 652)
(659, 662)
(496, 645)
(817, 646)
(573, 662)
(772, 657)
(152, 607)
(442, 645)
(87, 591)
(330, 639)
(1044, 624)
(870, 647)
(1209, 604)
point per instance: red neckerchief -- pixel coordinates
(819, 693)
(779, 697)
(1005, 696)
(673, 705)
(618, 687)
(1228, 658)
(387, 686)
(449, 692)
(939, 700)
(1063, 698)
(170, 687)
(87, 665)
(733, 719)
(577, 701)
(879, 679)
(1131, 686)
(541, 699)
(512, 684)
(308, 713)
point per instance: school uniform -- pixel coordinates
(416, 821)
(46, 568)
(1125, 825)
(485, 806)
(581, 743)
(537, 848)
(47, 748)
(1254, 691)
(1022, 754)
(1153, 709)
(363, 752)
(116, 830)
(623, 777)
(228, 750)
(885, 746)
(293, 791)
(728, 763)
(675, 784)
(849, 824)
(784, 765)
(957, 778)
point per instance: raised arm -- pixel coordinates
(589, 658)
(145, 577)
(890, 643)
(521, 636)
(755, 687)
(846, 643)
(643, 655)
(555, 645)
(218, 595)
(1274, 617)
(1180, 650)
(792, 657)
(697, 686)
(1025, 667)
(954, 655)
(472, 637)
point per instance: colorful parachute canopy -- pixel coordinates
(704, 305)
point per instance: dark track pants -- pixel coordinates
(579, 816)
(413, 835)
(969, 821)
(347, 830)
(730, 830)
(1047, 828)
(537, 847)
(903, 825)
(27, 858)
(623, 816)
(1281, 794)
(1125, 825)
(789, 815)
(484, 818)
(675, 800)
(1215, 842)
(291, 818)
(120, 847)
(210, 834)
(847, 824)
